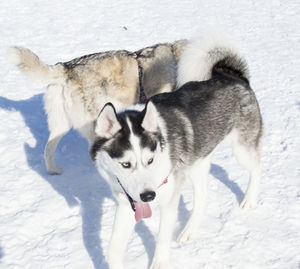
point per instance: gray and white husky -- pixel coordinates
(147, 151)
(77, 90)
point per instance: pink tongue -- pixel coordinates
(142, 210)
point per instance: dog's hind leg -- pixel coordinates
(198, 175)
(50, 148)
(58, 125)
(248, 156)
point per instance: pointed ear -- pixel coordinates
(107, 124)
(150, 119)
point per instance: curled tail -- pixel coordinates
(34, 68)
(202, 59)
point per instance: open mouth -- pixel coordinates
(142, 210)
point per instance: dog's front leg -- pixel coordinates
(123, 227)
(168, 215)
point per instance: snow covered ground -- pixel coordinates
(65, 221)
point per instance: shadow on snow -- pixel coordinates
(1, 253)
(79, 184)
(90, 189)
(220, 174)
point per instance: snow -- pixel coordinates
(66, 221)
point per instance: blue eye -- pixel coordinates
(126, 164)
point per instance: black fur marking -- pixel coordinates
(147, 139)
(118, 144)
(142, 97)
(114, 146)
(98, 144)
(233, 66)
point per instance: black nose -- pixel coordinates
(147, 196)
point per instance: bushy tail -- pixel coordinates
(34, 68)
(202, 58)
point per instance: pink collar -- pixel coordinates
(164, 182)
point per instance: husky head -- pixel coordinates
(128, 150)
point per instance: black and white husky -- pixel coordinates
(147, 151)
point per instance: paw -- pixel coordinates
(113, 264)
(160, 264)
(116, 267)
(186, 235)
(55, 170)
(160, 261)
(248, 203)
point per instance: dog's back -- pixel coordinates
(159, 65)
(201, 114)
